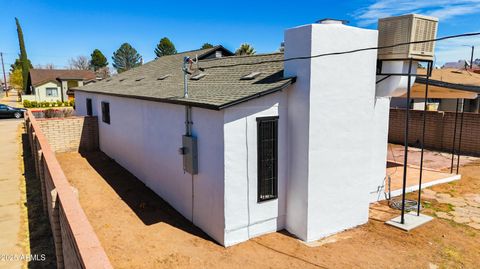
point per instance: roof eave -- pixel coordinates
(438, 83)
(258, 95)
(195, 104)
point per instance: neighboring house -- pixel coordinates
(444, 81)
(258, 145)
(461, 64)
(53, 84)
(216, 52)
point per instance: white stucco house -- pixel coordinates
(53, 85)
(259, 144)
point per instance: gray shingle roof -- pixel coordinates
(219, 88)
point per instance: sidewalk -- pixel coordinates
(11, 100)
(12, 232)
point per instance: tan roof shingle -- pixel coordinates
(222, 85)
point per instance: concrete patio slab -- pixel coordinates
(411, 222)
(430, 178)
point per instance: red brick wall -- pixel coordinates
(76, 244)
(71, 134)
(439, 130)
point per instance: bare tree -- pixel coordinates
(103, 72)
(46, 66)
(79, 63)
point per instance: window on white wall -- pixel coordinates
(52, 92)
(267, 158)
(89, 107)
(106, 112)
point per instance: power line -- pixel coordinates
(348, 51)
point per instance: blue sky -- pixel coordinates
(56, 31)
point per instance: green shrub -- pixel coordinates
(33, 104)
(27, 104)
(50, 113)
(68, 112)
(58, 113)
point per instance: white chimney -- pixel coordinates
(331, 113)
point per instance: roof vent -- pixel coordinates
(122, 79)
(138, 79)
(332, 21)
(197, 77)
(163, 77)
(251, 76)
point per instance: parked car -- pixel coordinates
(11, 112)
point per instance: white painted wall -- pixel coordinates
(332, 193)
(244, 216)
(379, 149)
(332, 145)
(144, 137)
(299, 41)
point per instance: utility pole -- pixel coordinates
(471, 55)
(471, 58)
(5, 87)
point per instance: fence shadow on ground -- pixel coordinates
(40, 232)
(146, 204)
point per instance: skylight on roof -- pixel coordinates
(163, 77)
(251, 76)
(197, 77)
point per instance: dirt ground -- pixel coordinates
(139, 230)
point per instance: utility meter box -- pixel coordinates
(404, 29)
(189, 151)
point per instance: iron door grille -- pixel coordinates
(267, 158)
(106, 112)
(89, 107)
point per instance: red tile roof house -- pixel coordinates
(53, 84)
(258, 144)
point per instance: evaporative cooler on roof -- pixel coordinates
(405, 29)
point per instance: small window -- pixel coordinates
(267, 158)
(52, 92)
(89, 107)
(106, 112)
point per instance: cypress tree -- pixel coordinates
(23, 56)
